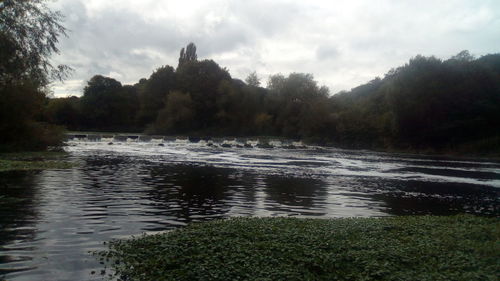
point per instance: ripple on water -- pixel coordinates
(55, 217)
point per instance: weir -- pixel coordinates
(228, 142)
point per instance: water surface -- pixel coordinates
(50, 220)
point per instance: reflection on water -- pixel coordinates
(17, 216)
(50, 220)
(298, 196)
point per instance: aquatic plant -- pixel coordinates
(33, 161)
(397, 248)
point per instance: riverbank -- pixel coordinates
(23, 161)
(461, 247)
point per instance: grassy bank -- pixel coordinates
(33, 161)
(397, 248)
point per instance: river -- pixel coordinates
(50, 220)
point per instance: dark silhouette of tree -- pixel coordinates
(464, 56)
(253, 80)
(201, 79)
(29, 32)
(19, 106)
(177, 115)
(65, 112)
(107, 105)
(295, 95)
(153, 92)
(237, 107)
(188, 54)
(426, 104)
(97, 99)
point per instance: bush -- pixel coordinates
(21, 105)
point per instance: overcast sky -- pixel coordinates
(342, 43)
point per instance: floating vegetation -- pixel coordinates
(33, 161)
(461, 247)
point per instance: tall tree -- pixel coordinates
(201, 79)
(188, 54)
(153, 94)
(253, 80)
(97, 102)
(29, 32)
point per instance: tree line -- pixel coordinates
(427, 103)
(197, 97)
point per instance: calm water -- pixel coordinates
(50, 220)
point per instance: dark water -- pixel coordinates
(50, 220)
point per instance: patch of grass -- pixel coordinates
(398, 248)
(33, 161)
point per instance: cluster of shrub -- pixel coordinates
(426, 104)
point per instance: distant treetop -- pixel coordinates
(188, 54)
(253, 80)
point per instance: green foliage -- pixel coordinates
(153, 92)
(106, 104)
(33, 161)
(428, 103)
(65, 112)
(398, 248)
(28, 35)
(201, 79)
(29, 32)
(237, 107)
(263, 123)
(253, 80)
(177, 115)
(20, 105)
(189, 55)
(301, 105)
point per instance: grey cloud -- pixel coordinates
(267, 18)
(327, 52)
(341, 43)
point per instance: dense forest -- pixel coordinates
(426, 105)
